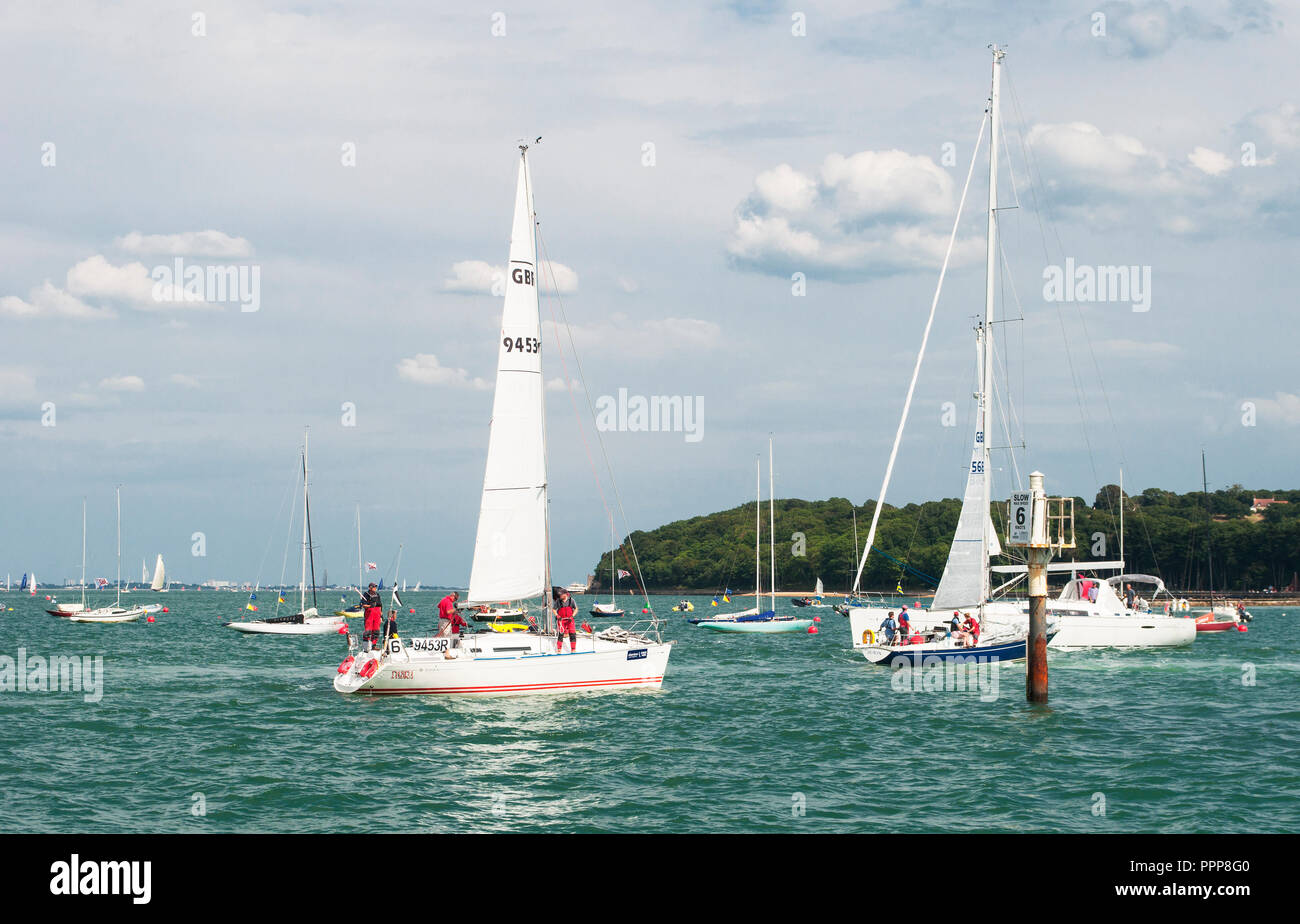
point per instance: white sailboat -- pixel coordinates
(159, 582)
(104, 614)
(512, 548)
(307, 621)
(611, 608)
(758, 621)
(966, 584)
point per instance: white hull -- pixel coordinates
(507, 663)
(108, 614)
(757, 627)
(311, 625)
(1137, 630)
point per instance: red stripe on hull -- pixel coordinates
(516, 688)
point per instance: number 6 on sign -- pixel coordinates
(1019, 519)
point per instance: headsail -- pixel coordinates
(510, 551)
(159, 576)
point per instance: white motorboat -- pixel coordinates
(307, 621)
(512, 547)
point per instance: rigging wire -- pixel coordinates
(568, 386)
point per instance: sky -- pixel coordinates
(746, 205)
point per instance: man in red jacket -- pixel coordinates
(449, 620)
(372, 609)
(565, 613)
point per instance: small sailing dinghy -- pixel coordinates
(307, 621)
(758, 621)
(77, 612)
(512, 548)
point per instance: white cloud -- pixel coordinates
(122, 383)
(869, 213)
(185, 244)
(1283, 407)
(48, 300)
(1211, 162)
(477, 277)
(95, 277)
(424, 369)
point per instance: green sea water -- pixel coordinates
(200, 729)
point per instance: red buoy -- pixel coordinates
(150, 619)
(817, 619)
(812, 630)
(343, 629)
(1241, 627)
(165, 610)
(411, 611)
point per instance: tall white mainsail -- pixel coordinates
(159, 576)
(510, 551)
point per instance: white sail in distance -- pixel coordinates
(159, 576)
(510, 551)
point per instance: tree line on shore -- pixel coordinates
(1165, 535)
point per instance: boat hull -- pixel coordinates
(322, 625)
(914, 655)
(757, 627)
(506, 664)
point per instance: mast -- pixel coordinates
(1121, 515)
(986, 378)
(360, 565)
(83, 553)
(119, 545)
(306, 507)
(758, 532)
(613, 574)
(1209, 520)
(771, 512)
(302, 580)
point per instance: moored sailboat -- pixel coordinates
(307, 621)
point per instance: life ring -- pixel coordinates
(368, 670)
(347, 663)
(868, 637)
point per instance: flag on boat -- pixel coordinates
(726, 598)
(371, 566)
(280, 599)
(622, 574)
(252, 596)
(899, 588)
(713, 602)
(250, 607)
(101, 582)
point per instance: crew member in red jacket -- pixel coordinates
(449, 619)
(567, 609)
(372, 609)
